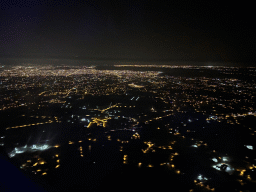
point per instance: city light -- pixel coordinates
(139, 118)
(35, 147)
(249, 147)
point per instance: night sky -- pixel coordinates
(128, 30)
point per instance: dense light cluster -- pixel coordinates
(179, 110)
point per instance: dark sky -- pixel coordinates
(129, 30)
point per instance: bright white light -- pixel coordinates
(83, 119)
(249, 147)
(228, 168)
(44, 147)
(215, 160)
(200, 177)
(18, 150)
(213, 117)
(40, 147)
(11, 155)
(215, 167)
(225, 159)
(194, 145)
